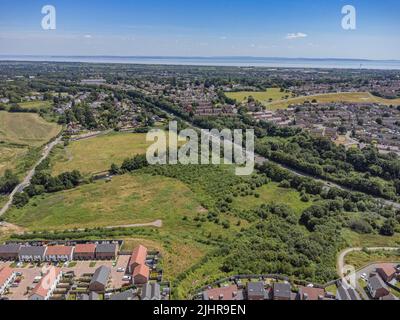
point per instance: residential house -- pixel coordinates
(223, 294)
(9, 251)
(138, 257)
(387, 271)
(124, 296)
(282, 291)
(346, 293)
(141, 274)
(59, 253)
(7, 276)
(85, 251)
(106, 251)
(32, 253)
(45, 288)
(256, 291)
(376, 287)
(100, 279)
(151, 291)
(307, 293)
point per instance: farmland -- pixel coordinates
(26, 129)
(353, 97)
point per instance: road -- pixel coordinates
(27, 180)
(344, 253)
(370, 268)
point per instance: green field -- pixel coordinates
(272, 193)
(265, 97)
(126, 200)
(361, 259)
(356, 97)
(35, 105)
(26, 129)
(97, 154)
(9, 157)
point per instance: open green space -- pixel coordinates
(97, 154)
(264, 97)
(35, 105)
(272, 193)
(352, 97)
(360, 259)
(26, 129)
(127, 199)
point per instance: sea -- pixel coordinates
(220, 61)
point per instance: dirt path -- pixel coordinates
(157, 224)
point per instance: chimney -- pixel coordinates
(305, 296)
(221, 296)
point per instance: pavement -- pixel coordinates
(368, 269)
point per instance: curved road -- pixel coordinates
(342, 256)
(27, 180)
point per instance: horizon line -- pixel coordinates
(196, 57)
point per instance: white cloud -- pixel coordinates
(88, 36)
(298, 35)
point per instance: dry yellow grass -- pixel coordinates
(9, 157)
(26, 129)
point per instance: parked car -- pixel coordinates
(127, 278)
(121, 270)
(364, 276)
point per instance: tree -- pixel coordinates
(20, 200)
(388, 228)
(8, 182)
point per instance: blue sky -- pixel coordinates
(278, 28)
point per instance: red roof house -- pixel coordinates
(59, 253)
(85, 251)
(387, 271)
(141, 274)
(45, 288)
(138, 257)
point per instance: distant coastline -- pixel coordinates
(274, 62)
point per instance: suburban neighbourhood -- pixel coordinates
(80, 271)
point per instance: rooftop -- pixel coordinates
(85, 248)
(59, 251)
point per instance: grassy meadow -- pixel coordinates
(126, 199)
(272, 193)
(10, 156)
(97, 154)
(352, 97)
(360, 259)
(265, 97)
(26, 129)
(35, 105)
